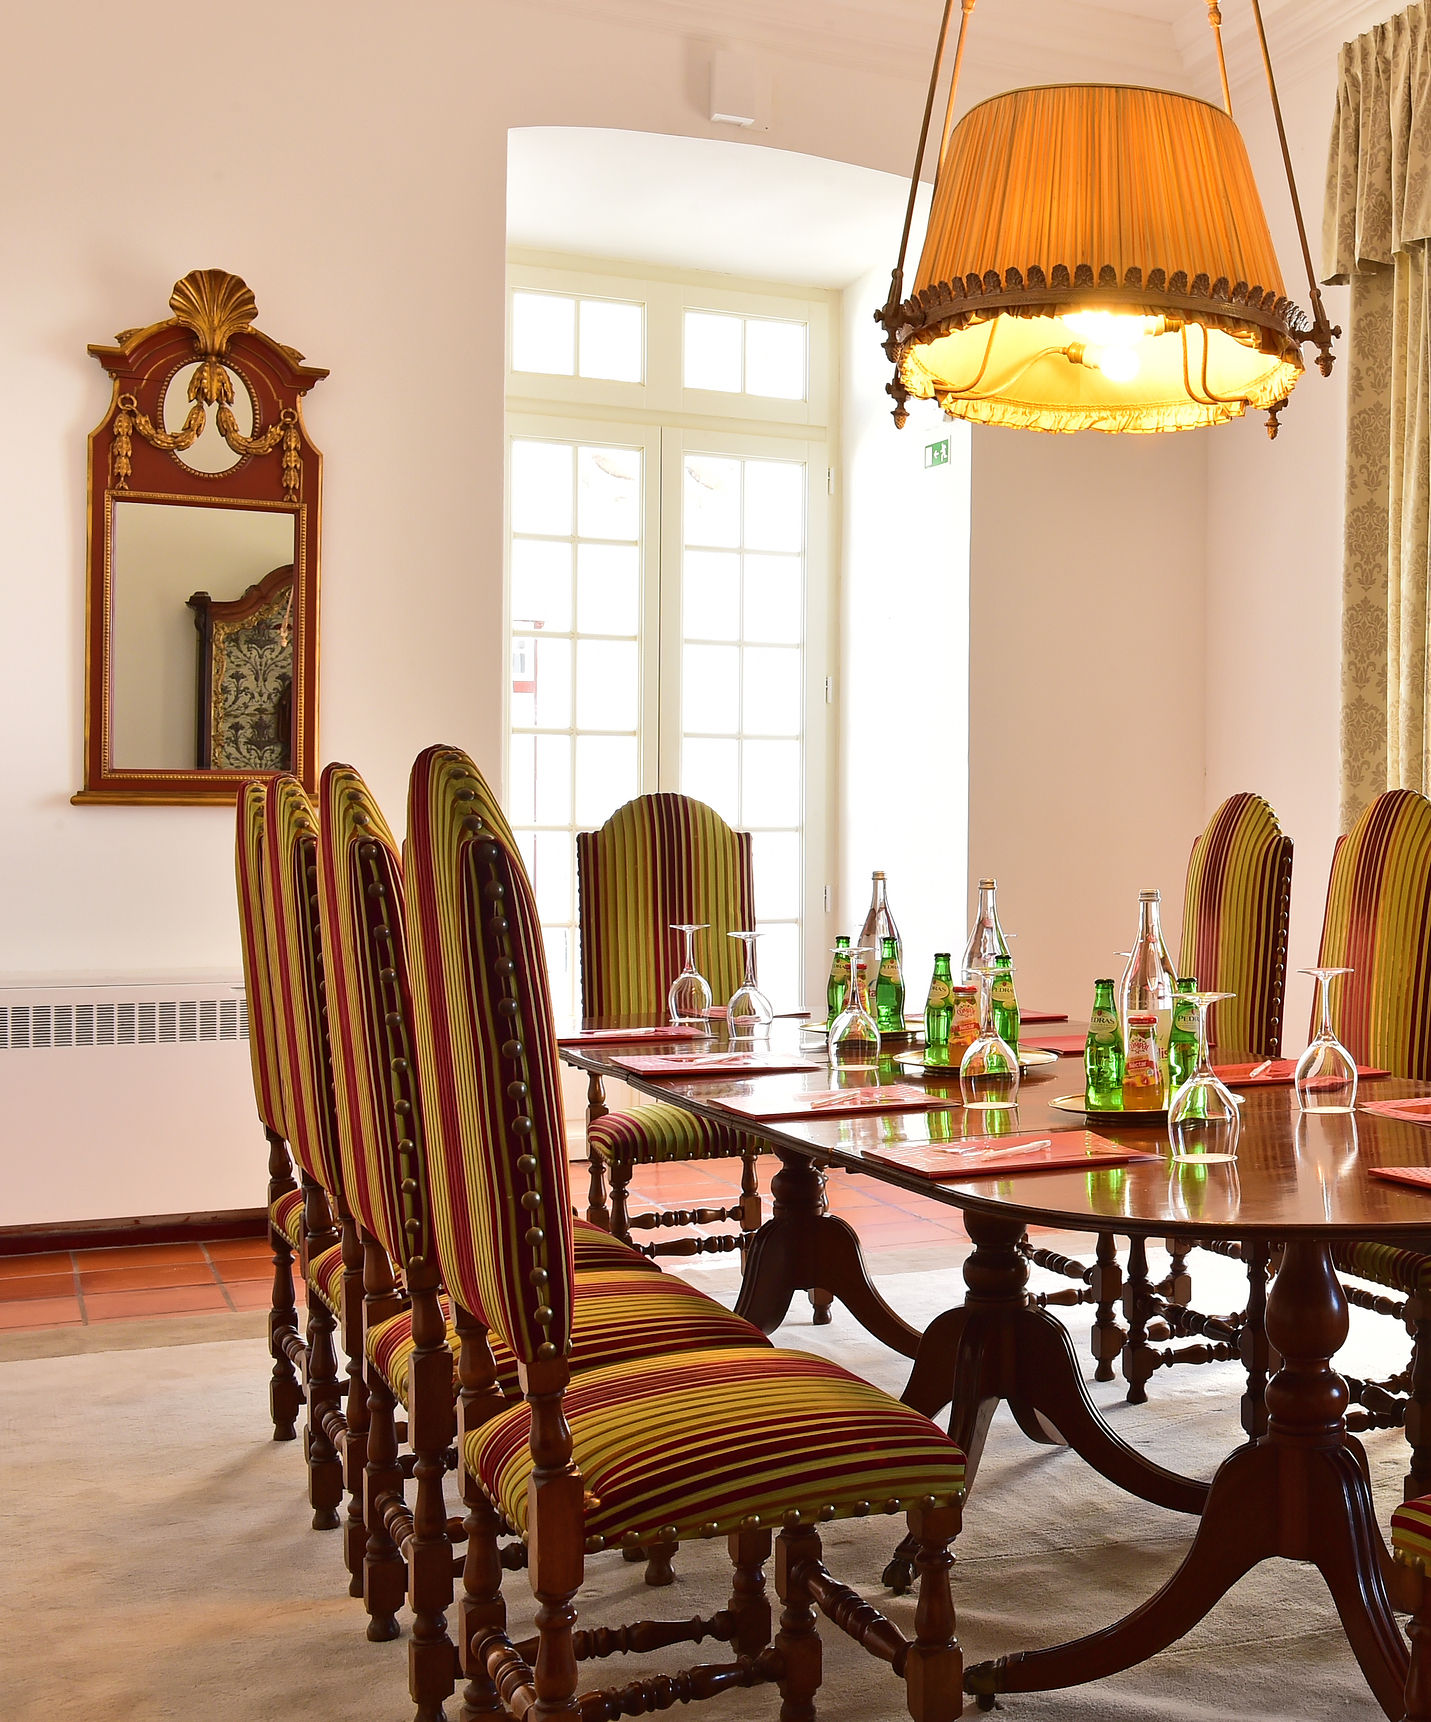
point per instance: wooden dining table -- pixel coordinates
(1299, 1490)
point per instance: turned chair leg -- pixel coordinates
(355, 1440)
(798, 1641)
(620, 1187)
(749, 1603)
(597, 1212)
(480, 1610)
(384, 1571)
(325, 1468)
(285, 1396)
(934, 1670)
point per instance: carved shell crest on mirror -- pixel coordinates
(203, 556)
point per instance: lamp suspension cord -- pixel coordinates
(1214, 18)
(896, 280)
(1323, 334)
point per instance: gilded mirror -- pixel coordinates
(204, 506)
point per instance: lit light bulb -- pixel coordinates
(1110, 341)
(1118, 364)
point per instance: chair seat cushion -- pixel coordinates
(1411, 1530)
(325, 1275)
(598, 1252)
(1385, 1265)
(678, 1447)
(614, 1316)
(663, 1132)
(285, 1214)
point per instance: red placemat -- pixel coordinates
(1415, 1110)
(1278, 1071)
(1067, 1044)
(662, 1031)
(698, 1064)
(994, 1156)
(836, 1102)
(1417, 1176)
(1041, 1016)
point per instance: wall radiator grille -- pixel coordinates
(160, 1022)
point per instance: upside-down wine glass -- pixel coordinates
(1325, 1078)
(689, 999)
(854, 1034)
(989, 1069)
(749, 1011)
(1204, 1117)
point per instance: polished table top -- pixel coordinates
(1293, 1174)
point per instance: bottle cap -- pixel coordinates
(961, 990)
(876, 875)
(988, 884)
(1107, 981)
(1150, 896)
(941, 956)
(1142, 1016)
(1187, 983)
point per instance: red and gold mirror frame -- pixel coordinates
(173, 441)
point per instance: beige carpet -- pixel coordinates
(161, 1565)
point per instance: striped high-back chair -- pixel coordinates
(295, 968)
(658, 861)
(662, 1448)
(1378, 924)
(1239, 893)
(285, 1199)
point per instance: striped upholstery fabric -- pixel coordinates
(491, 1096)
(596, 1251)
(1378, 922)
(694, 1447)
(295, 963)
(325, 1275)
(1385, 1265)
(361, 905)
(1239, 891)
(249, 868)
(663, 1132)
(659, 860)
(614, 1317)
(286, 1216)
(1411, 1531)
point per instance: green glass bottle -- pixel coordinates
(839, 983)
(1182, 1037)
(889, 989)
(939, 1006)
(1004, 1004)
(1103, 1053)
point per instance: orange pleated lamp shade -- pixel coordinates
(1097, 258)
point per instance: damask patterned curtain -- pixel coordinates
(1376, 229)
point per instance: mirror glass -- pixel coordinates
(202, 635)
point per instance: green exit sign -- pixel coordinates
(937, 453)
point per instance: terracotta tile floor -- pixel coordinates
(70, 1287)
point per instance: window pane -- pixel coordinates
(541, 584)
(611, 340)
(606, 776)
(544, 333)
(606, 684)
(553, 708)
(561, 969)
(522, 780)
(608, 490)
(710, 690)
(771, 704)
(712, 501)
(552, 778)
(779, 957)
(773, 600)
(774, 505)
(710, 771)
(608, 589)
(711, 596)
(541, 487)
(771, 786)
(713, 346)
(776, 855)
(775, 359)
(551, 876)
(524, 681)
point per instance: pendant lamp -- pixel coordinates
(1097, 258)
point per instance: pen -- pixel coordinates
(993, 1153)
(1259, 1069)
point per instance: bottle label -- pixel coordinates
(889, 971)
(966, 1018)
(840, 969)
(1185, 1020)
(1003, 993)
(938, 994)
(1143, 1067)
(1103, 1028)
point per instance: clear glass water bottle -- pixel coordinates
(879, 923)
(1149, 983)
(986, 937)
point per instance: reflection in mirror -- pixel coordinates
(163, 715)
